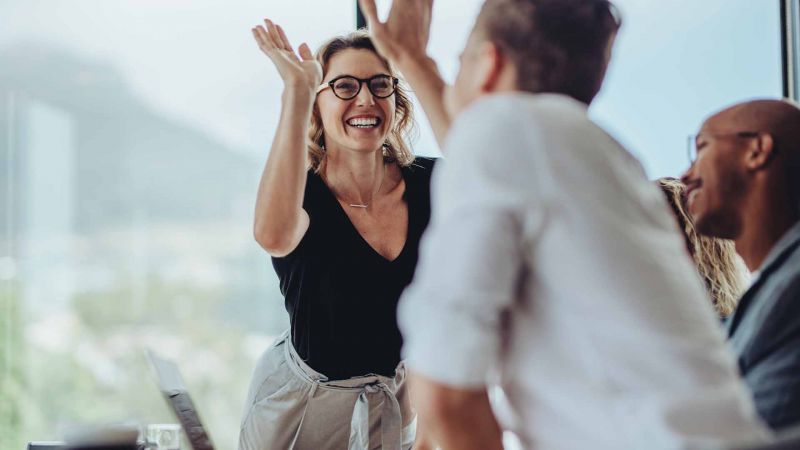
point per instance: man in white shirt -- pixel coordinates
(551, 265)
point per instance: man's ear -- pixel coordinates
(491, 66)
(761, 152)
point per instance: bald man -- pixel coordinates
(744, 184)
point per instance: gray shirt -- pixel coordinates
(765, 333)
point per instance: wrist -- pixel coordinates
(298, 95)
(415, 61)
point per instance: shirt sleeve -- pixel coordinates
(472, 254)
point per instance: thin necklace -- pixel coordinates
(366, 205)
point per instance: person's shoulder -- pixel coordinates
(420, 170)
(783, 261)
(511, 116)
(776, 291)
(494, 107)
(522, 104)
(785, 276)
(491, 118)
(495, 125)
(423, 163)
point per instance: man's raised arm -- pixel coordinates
(403, 40)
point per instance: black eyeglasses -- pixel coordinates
(691, 140)
(347, 87)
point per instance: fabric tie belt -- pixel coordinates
(393, 434)
(390, 419)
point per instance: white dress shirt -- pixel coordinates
(609, 341)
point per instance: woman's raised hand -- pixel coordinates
(302, 72)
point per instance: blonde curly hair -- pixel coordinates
(396, 148)
(720, 267)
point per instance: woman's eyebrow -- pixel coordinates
(365, 78)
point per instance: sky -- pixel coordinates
(194, 60)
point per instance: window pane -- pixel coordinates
(677, 62)
(132, 137)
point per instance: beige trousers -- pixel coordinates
(292, 407)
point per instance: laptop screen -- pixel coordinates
(171, 384)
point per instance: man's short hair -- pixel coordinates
(557, 46)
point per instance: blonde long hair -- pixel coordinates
(720, 267)
(396, 148)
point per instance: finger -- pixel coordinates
(421, 8)
(265, 37)
(284, 40)
(305, 52)
(272, 32)
(370, 11)
(262, 38)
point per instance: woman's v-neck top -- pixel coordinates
(340, 293)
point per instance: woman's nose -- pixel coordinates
(364, 97)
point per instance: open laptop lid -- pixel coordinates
(171, 384)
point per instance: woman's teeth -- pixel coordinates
(363, 122)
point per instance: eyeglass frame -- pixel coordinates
(691, 141)
(361, 82)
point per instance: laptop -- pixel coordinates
(171, 384)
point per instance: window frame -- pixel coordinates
(790, 48)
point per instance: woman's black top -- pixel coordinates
(340, 293)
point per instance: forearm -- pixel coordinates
(421, 72)
(280, 192)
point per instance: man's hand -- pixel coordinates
(405, 33)
(454, 418)
(403, 40)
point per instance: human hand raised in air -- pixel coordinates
(303, 72)
(405, 33)
(403, 40)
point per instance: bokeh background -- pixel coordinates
(132, 136)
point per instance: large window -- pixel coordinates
(132, 136)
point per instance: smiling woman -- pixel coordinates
(341, 208)
(388, 104)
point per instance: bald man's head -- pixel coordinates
(780, 118)
(748, 150)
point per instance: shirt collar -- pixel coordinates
(788, 238)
